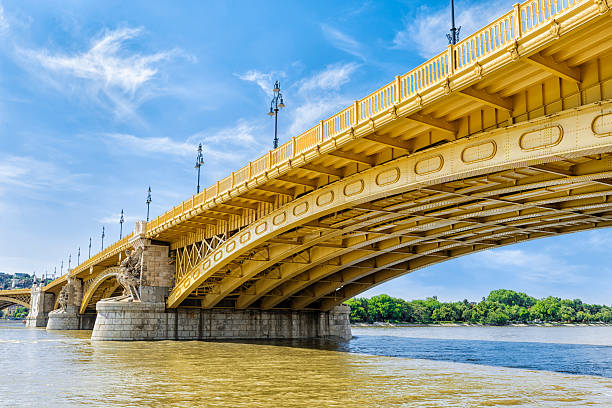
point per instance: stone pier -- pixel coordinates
(151, 321)
(148, 319)
(41, 303)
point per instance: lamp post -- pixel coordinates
(121, 221)
(453, 37)
(102, 238)
(79, 256)
(274, 108)
(199, 163)
(89, 253)
(149, 201)
(61, 269)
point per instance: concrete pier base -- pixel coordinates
(41, 304)
(70, 319)
(150, 321)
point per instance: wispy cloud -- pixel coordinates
(32, 173)
(343, 41)
(108, 69)
(144, 146)
(4, 24)
(114, 218)
(265, 80)
(224, 148)
(425, 30)
(332, 78)
(530, 265)
(320, 95)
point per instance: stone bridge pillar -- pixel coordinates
(144, 319)
(41, 303)
(157, 271)
(67, 317)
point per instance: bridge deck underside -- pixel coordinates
(344, 253)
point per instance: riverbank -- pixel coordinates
(463, 324)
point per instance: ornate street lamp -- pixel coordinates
(121, 221)
(276, 103)
(453, 37)
(89, 253)
(149, 201)
(199, 163)
(102, 238)
(61, 269)
(69, 260)
(79, 256)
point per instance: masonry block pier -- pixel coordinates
(150, 321)
(41, 303)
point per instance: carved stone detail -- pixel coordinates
(393, 112)
(446, 86)
(513, 50)
(419, 100)
(602, 5)
(129, 274)
(555, 29)
(478, 70)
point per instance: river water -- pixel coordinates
(380, 367)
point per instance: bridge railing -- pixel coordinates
(512, 25)
(524, 18)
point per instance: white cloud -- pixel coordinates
(265, 80)
(312, 111)
(238, 143)
(114, 218)
(530, 265)
(332, 78)
(108, 72)
(4, 25)
(343, 41)
(32, 173)
(426, 30)
(319, 96)
(144, 146)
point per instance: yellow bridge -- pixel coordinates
(502, 138)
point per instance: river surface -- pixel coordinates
(380, 367)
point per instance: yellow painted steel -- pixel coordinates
(15, 297)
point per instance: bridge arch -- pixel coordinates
(101, 286)
(6, 301)
(423, 184)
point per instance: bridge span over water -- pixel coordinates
(502, 138)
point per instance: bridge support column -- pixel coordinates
(67, 317)
(41, 303)
(148, 318)
(151, 321)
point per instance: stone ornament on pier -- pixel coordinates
(67, 316)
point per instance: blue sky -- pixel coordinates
(99, 100)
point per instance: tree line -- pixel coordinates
(501, 307)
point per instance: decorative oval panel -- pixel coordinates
(245, 237)
(218, 255)
(261, 228)
(389, 176)
(300, 209)
(479, 152)
(429, 165)
(325, 198)
(602, 125)
(279, 218)
(230, 246)
(354, 188)
(541, 138)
